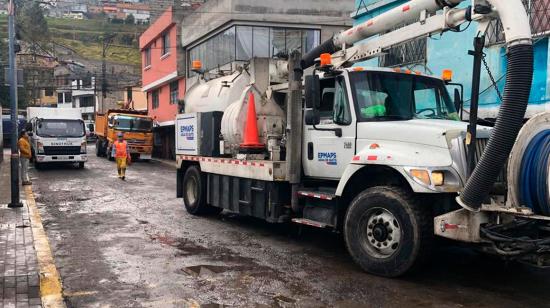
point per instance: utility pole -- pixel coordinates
(107, 40)
(15, 202)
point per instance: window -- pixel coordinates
(244, 42)
(413, 52)
(165, 44)
(86, 101)
(326, 108)
(48, 92)
(260, 43)
(174, 92)
(60, 98)
(68, 98)
(342, 113)
(278, 42)
(539, 16)
(383, 96)
(147, 57)
(155, 99)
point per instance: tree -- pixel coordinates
(32, 26)
(130, 20)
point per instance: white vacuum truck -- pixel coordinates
(377, 154)
(57, 135)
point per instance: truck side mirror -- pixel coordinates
(312, 117)
(313, 91)
(458, 100)
(91, 127)
(28, 127)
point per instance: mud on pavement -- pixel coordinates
(131, 244)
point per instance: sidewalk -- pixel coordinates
(19, 270)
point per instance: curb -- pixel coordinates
(50, 282)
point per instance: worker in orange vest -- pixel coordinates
(25, 156)
(122, 155)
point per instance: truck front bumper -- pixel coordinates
(62, 158)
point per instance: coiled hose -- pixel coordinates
(519, 77)
(533, 185)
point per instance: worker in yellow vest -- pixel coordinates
(121, 153)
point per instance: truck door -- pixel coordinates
(324, 154)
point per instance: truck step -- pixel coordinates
(317, 194)
(309, 222)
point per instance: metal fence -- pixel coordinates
(413, 52)
(539, 15)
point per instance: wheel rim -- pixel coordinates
(191, 190)
(383, 233)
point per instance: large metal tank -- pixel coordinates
(229, 94)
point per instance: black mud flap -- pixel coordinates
(179, 185)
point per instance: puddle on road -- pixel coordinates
(205, 270)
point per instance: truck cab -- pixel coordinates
(58, 135)
(136, 127)
(385, 118)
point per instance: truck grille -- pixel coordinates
(135, 141)
(61, 150)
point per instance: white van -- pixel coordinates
(57, 135)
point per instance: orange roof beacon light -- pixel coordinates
(196, 66)
(447, 75)
(326, 59)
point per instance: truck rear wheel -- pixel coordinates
(387, 232)
(98, 148)
(194, 193)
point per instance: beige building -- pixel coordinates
(135, 98)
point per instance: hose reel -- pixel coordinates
(529, 166)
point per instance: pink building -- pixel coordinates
(163, 77)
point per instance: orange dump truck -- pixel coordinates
(136, 126)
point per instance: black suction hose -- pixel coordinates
(308, 59)
(519, 77)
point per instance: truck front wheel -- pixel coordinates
(194, 193)
(387, 232)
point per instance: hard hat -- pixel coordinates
(120, 135)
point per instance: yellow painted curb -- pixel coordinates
(50, 281)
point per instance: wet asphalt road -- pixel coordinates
(131, 244)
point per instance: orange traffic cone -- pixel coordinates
(251, 140)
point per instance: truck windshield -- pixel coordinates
(134, 124)
(393, 96)
(60, 128)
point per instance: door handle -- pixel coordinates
(310, 150)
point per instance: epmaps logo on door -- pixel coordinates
(327, 157)
(188, 132)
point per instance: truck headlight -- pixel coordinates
(83, 148)
(40, 147)
(438, 178)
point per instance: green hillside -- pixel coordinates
(84, 37)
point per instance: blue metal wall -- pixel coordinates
(450, 51)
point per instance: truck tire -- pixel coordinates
(194, 193)
(81, 165)
(98, 148)
(387, 232)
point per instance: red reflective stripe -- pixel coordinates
(450, 226)
(373, 157)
